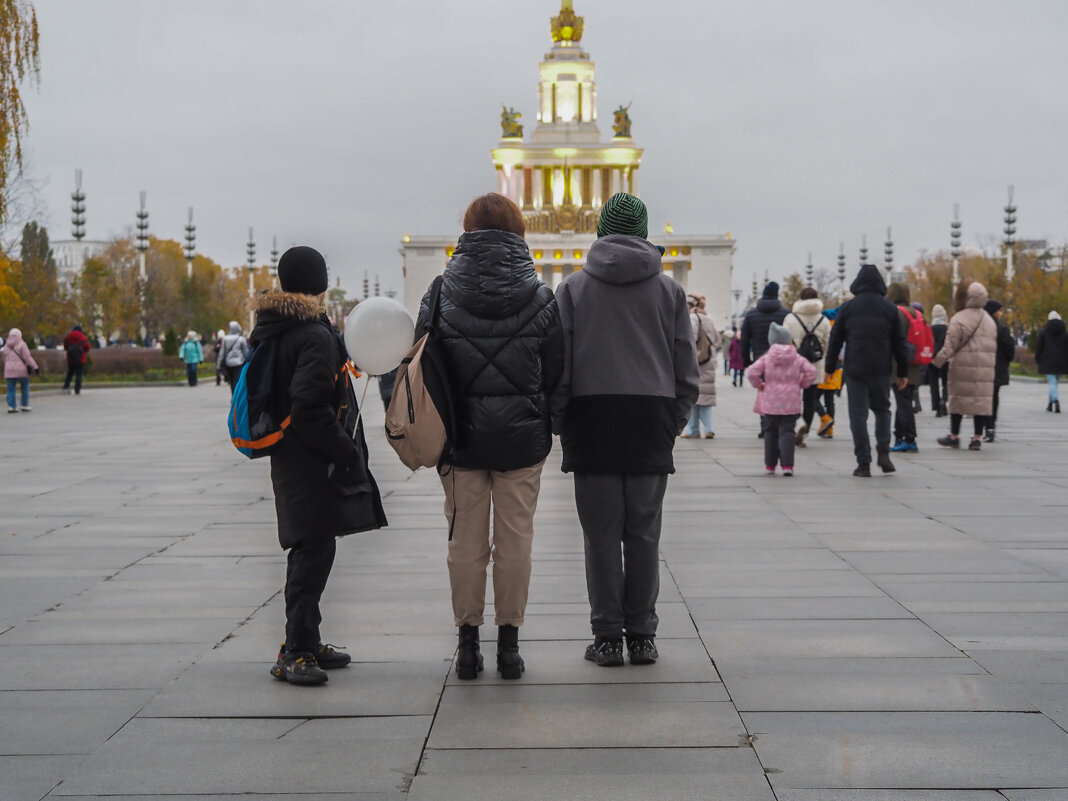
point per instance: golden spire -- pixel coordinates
(566, 27)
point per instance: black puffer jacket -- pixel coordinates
(871, 328)
(1006, 353)
(502, 344)
(322, 484)
(755, 327)
(1051, 350)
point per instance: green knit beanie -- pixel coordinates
(623, 214)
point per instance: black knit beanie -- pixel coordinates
(303, 270)
(771, 290)
(992, 306)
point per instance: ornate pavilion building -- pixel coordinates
(561, 174)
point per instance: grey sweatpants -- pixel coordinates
(620, 516)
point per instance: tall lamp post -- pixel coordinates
(274, 259)
(142, 247)
(251, 249)
(863, 249)
(1010, 236)
(841, 270)
(809, 271)
(77, 208)
(190, 245)
(888, 254)
(954, 242)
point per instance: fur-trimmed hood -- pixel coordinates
(278, 312)
(288, 304)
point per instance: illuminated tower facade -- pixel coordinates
(562, 172)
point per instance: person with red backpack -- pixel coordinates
(920, 348)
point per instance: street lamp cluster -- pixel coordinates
(1008, 242)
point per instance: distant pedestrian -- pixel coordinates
(828, 389)
(938, 376)
(630, 381)
(233, 353)
(780, 376)
(971, 351)
(805, 319)
(904, 399)
(77, 345)
(192, 354)
(18, 364)
(385, 386)
(701, 414)
(1051, 356)
(870, 328)
(220, 374)
(917, 405)
(737, 361)
(1006, 352)
(323, 487)
(755, 326)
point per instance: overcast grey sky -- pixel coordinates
(344, 124)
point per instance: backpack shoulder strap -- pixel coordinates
(435, 303)
(802, 323)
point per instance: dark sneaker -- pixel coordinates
(883, 460)
(329, 658)
(298, 667)
(949, 441)
(975, 445)
(606, 652)
(989, 435)
(912, 447)
(863, 471)
(642, 650)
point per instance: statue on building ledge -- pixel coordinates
(510, 125)
(621, 124)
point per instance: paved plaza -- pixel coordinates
(823, 638)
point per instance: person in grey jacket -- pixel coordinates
(233, 353)
(630, 380)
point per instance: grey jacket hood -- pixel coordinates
(620, 259)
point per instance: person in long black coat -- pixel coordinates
(755, 326)
(1005, 354)
(323, 488)
(1051, 356)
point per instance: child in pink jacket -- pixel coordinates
(780, 375)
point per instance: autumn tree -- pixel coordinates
(19, 60)
(11, 302)
(46, 312)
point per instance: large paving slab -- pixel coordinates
(822, 638)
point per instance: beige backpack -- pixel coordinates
(419, 420)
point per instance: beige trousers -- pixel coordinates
(513, 496)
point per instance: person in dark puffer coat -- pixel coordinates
(1051, 356)
(323, 488)
(499, 336)
(755, 327)
(1005, 355)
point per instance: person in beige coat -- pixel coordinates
(971, 351)
(807, 315)
(701, 414)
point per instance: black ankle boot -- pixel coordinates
(468, 655)
(509, 662)
(1056, 407)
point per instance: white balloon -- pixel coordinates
(378, 334)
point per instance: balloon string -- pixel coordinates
(359, 413)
